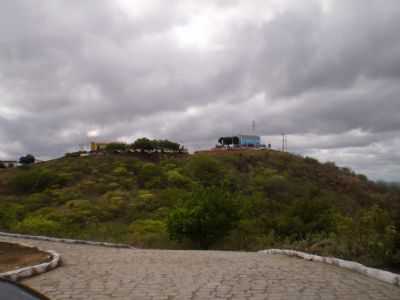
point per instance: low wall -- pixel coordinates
(381, 275)
(30, 271)
(68, 241)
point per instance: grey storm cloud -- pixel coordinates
(325, 72)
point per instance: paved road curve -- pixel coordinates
(92, 272)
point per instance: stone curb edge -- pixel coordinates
(67, 241)
(31, 271)
(381, 275)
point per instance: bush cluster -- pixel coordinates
(238, 202)
(145, 144)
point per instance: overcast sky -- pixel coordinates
(327, 73)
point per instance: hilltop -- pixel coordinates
(245, 200)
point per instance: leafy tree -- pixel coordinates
(166, 145)
(27, 159)
(116, 147)
(143, 144)
(204, 218)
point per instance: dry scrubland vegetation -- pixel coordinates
(243, 201)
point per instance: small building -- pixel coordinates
(241, 140)
(9, 163)
(249, 140)
(98, 146)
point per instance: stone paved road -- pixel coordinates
(92, 272)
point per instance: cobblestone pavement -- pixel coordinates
(92, 272)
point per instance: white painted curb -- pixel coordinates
(381, 275)
(67, 241)
(30, 271)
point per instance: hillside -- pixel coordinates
(241, 201)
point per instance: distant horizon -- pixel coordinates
(192, 150)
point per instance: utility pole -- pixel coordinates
(284, 143)
(286, 150)
(253, 127)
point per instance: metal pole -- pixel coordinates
(286, 149)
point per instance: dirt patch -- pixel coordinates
(14, 256)
(237, 151)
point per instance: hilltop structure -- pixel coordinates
(98, 146)
(8, 163)
(240, 141)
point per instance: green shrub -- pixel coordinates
(276, 186)
(150, 176)
(87, 186)
(113, 204)
(38, 225)
(306, 216)
(145, 195)
(128, 183)
(111, 231)
(169, 197)
(370, 236)
(149, 233)
(36, 201)
(120, 171)
(206, 170)
(204, 218)
(9, 213)
(36, 180)
(61, 196)
(77, 212)
(246, 236)
(176, 179)
(145, 205)
(113, 186)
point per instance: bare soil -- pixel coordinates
(14, 256)
(239, 151)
